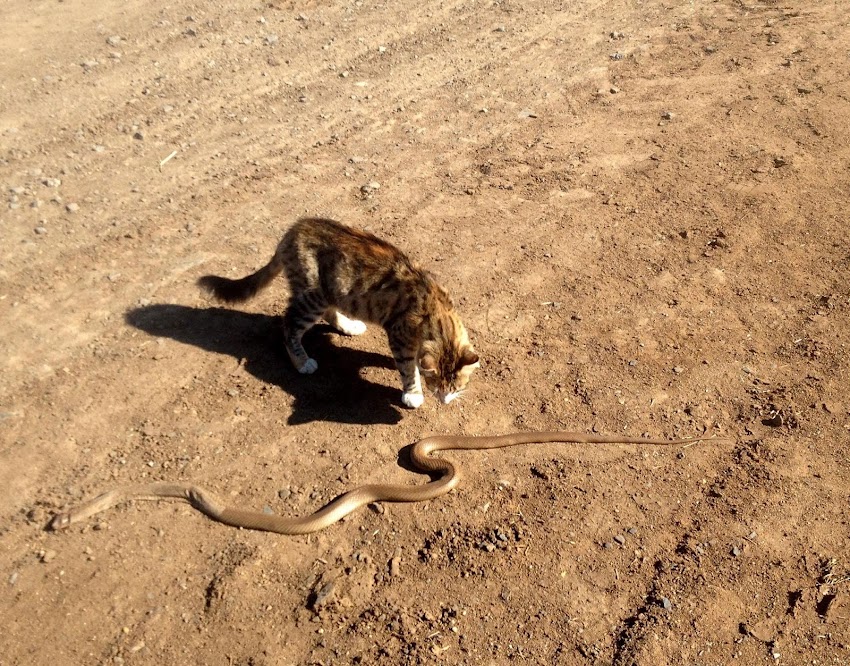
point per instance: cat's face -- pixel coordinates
(446, 371)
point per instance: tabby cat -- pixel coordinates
(336, 272)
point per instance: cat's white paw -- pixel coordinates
(412, 400)
(310, 366)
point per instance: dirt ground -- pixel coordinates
(641, 209)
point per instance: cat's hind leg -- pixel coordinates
(343, 324)
(302, 313)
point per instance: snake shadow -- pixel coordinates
(336, 392)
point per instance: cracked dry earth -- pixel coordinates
(641, 209)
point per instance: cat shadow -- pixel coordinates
(336, 392)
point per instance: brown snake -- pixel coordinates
(208, 503)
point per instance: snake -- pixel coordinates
(447, 478)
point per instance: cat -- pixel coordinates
(346, 275)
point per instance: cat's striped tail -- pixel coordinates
(237, 291)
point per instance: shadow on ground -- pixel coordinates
(335, 393)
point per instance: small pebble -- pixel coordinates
(268, 510)
(138, 136)
(678, 369)
(620, 539)
(774, 421)
(608, 545)
(51, 182)
(40, 230)
(735, 551)
(323, 596)
(395, 565)
(72, 207)
(667, 115)
(272, 39)
(631, 530)
(665, 603)
(47, 555)
(284, 493)
(113, 40)
(233, 392)
(13, 578)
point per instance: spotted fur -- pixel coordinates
(348, 276)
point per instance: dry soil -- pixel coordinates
(641, 209)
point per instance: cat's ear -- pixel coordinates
(428, 364)
(469, 358)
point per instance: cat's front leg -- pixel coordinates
(405, 360)
(412, 396)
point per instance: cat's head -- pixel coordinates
(446, 366)
(446, 358)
